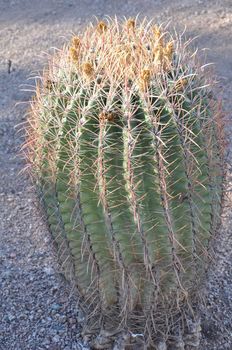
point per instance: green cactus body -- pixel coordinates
(127, 152)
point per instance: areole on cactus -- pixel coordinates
(125, 142)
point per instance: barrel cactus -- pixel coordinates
(125, 146)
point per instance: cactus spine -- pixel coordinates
(126, 148)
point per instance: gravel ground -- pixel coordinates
(38, 308)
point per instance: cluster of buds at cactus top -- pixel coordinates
(122, 52)
(125, 144)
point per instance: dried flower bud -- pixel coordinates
(158, 35)
(181, 84)
(157, 32)
(76, 42)
(130, 23)
(88, 69)
(106, 116)
(48, 84)
(73, 54)
(101, 27)
(159, 54)
(145, 77)
(169, 50)
(126, 55)
(128, 58)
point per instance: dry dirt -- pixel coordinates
(37, 307)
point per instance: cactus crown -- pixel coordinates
(125, 142)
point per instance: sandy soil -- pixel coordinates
(38, 310)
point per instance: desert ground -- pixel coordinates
(38, 308)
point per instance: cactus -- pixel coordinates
(125, 142)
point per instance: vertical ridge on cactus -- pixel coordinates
(126, 148)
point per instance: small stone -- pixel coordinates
(61, 318)
(48, 270)
(56, 306)
(22, 317)
(54, 289)
(56, 339)
(54, 347)
(162, 345)
(72, 320)
(11, 317)
(46, 342)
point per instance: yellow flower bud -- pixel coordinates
(88, 69)
(73, 54)
(109, 116)
(169, 50)
(180, 84)
(159, 54)
(130, 23)
(158, 34)
(145, 77)
(76, 42)
(101, 27)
